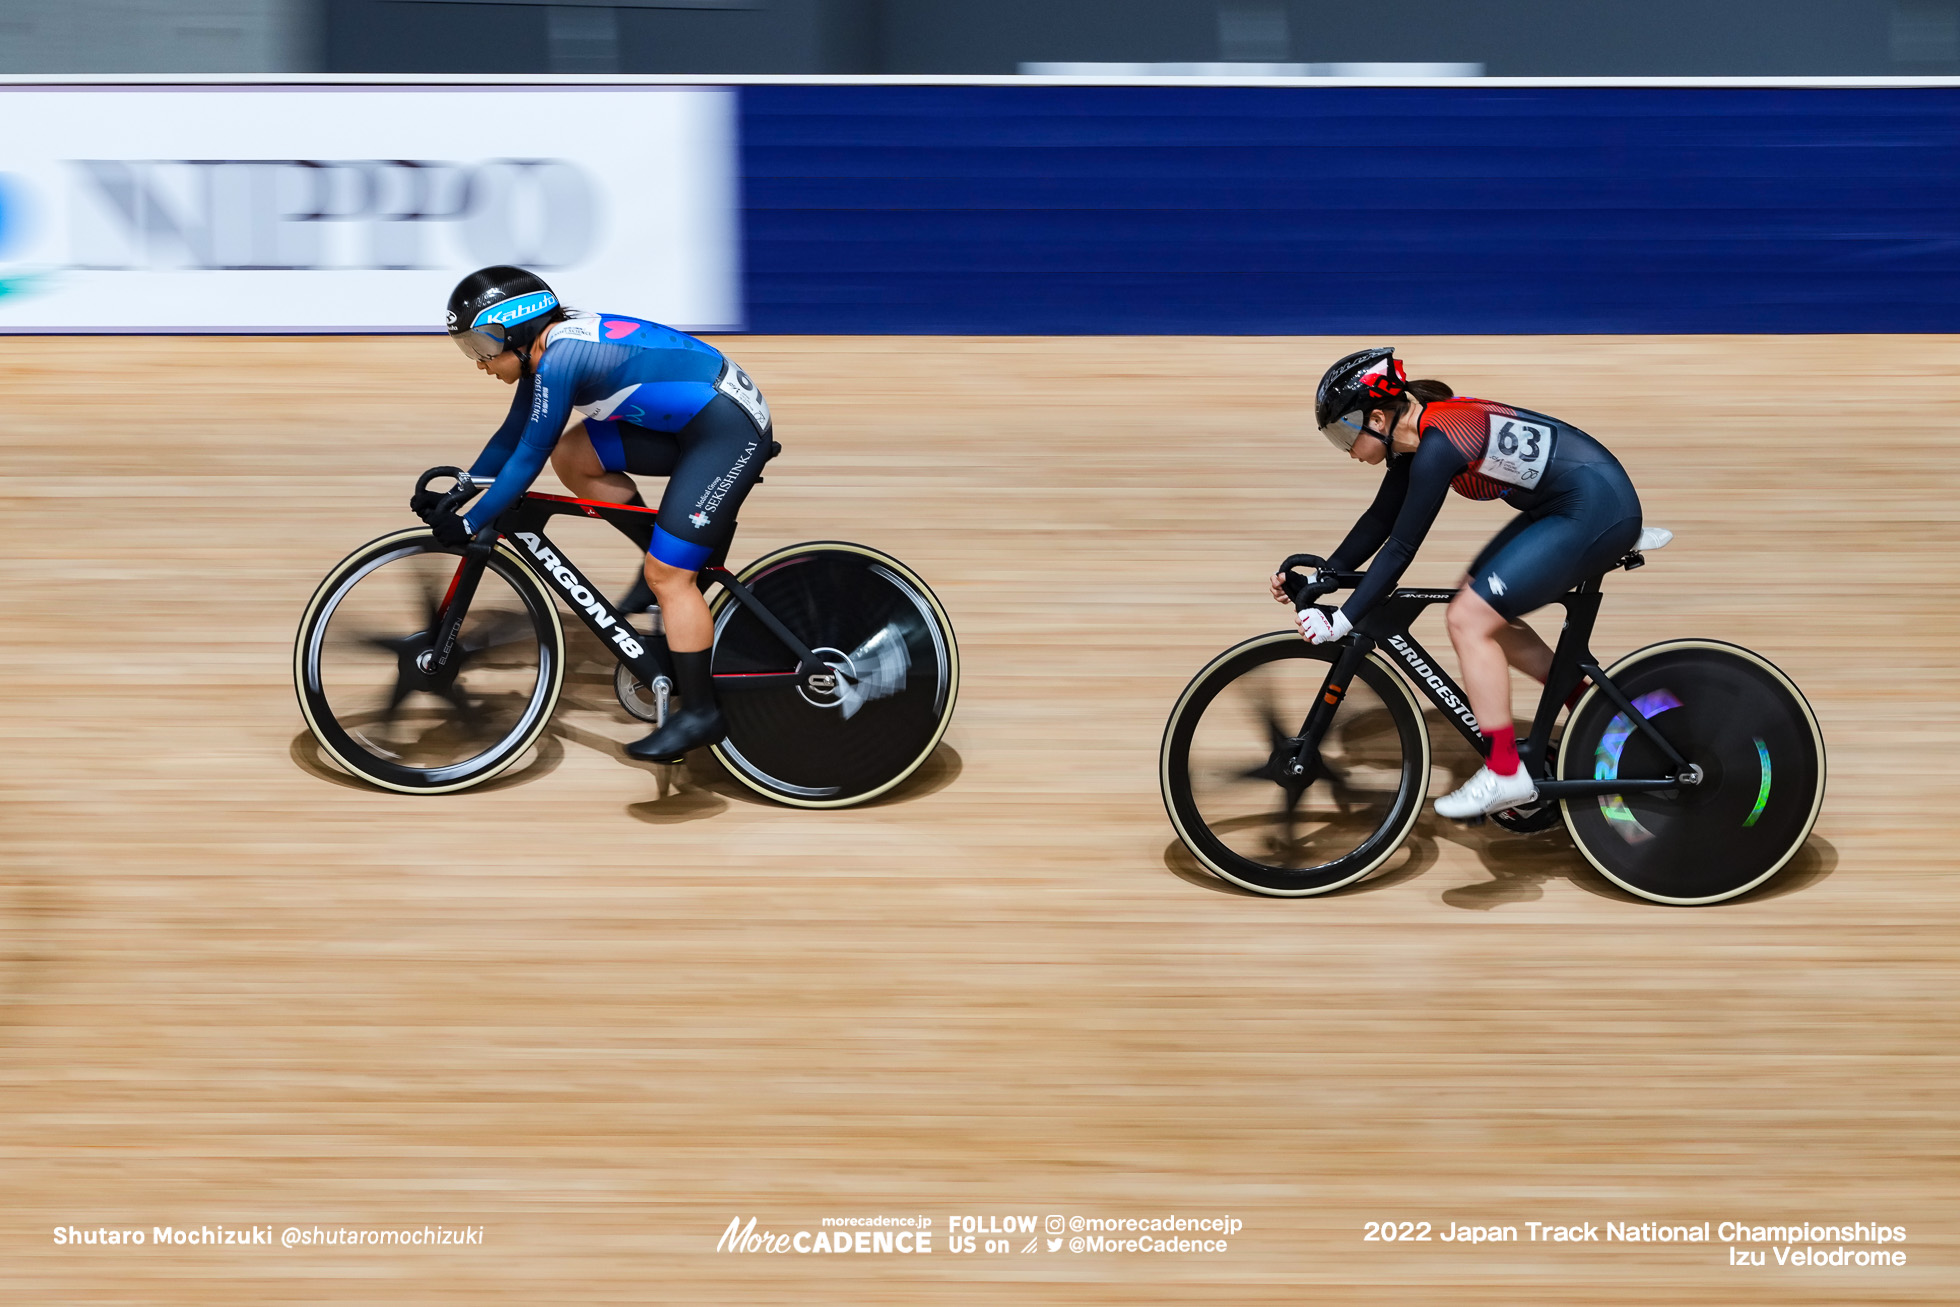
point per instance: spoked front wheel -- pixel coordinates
(1747, 729)
(364, 669)
(874, 621)
(1225, 757)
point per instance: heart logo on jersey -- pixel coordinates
(615, 329)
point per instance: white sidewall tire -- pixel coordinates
(326, 589)
(1184, 837)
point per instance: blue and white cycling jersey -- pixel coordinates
(610, 368)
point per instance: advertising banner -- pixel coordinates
(356, 209)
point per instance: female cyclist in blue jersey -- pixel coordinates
(605, 398)
(1577, 516)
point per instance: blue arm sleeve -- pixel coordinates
(1431, 468)
(496, 452)
(551, 404)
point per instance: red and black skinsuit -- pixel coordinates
(1577, 510)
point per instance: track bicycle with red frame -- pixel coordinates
(427, 668)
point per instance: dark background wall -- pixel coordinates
(439, 36)
(1046, 210)
(1509, 37)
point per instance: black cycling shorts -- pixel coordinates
(709, 464)
(1578, 531)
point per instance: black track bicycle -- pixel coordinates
(1689, 772)
(429, 668)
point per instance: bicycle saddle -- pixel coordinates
(1651, 537)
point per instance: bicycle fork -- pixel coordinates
(455, 604)
(1303, 768)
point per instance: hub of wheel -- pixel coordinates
(820, 687)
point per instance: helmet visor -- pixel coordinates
(482, 343)
(1343, 431)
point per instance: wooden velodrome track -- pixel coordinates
(599, 1018)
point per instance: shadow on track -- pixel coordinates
(543, 759)
(934, 774)
(1519, 866)
(1417, 855)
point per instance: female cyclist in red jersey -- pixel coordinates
(1577, 515)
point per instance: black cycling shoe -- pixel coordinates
(686, 729)
(639, 599)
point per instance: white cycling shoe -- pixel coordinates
(1487, 792)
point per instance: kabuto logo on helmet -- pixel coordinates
(498, 308)
(519, 309)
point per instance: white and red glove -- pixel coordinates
(1317, 628)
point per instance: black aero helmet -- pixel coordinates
(1354, 387)
(498, 308)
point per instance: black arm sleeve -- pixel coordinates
(1373, 526)
(1431, 468)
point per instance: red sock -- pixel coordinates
(1503, 751)
(1572, 700)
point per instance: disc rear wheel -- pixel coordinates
(1748, 733)
(861, 731)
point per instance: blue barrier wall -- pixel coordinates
(1435, 210)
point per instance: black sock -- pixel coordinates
(640, 529)
(693, 680)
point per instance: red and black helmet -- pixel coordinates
(1356, 386)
